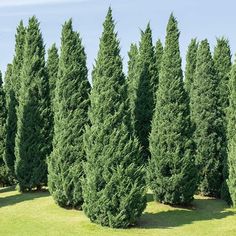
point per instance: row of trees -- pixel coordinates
(100, 148)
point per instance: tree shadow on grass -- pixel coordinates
(7, 189)
(202, 210)
(20, 197)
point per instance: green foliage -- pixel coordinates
(146, 90)
(222, 61)
(3, 113)
(52, 69)
(71, 108)
(172, 172)
(191, 60)
(231, 118)
(132, 80)
(159, 53)
(33, 142)
(2, 119)
(12, 88)
(114, 185)
(208, 123)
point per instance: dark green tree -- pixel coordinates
(132, 80)
(52, 72)
(147, 82)
(12, 88)
(191, 59)
(207, 119)
(114, 186)
(52, 69)
(71, 115)
(9, 156)
(3, 171)
(33, 142)
(172, 173)
(159, 53)
(231, 118)
(222, 61)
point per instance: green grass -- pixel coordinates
(36, 214)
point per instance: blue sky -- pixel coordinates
(197, 18)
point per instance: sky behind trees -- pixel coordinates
(202, 19)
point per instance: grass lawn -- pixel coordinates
(36, 214)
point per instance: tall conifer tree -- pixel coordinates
(9, 156)
(12, 88)
(191, 59)
(2, 132)
(231, 118)
(146, 89)
(132, 80)
(159, 53)
(208, 123)
(171, 171)
(52, 69)
(33, 142)
(222, 61)
(114, 186)
(71, 108)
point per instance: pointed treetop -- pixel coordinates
(172, 26)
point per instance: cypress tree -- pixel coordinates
(171, 172)
(3, 172)
(71, 108)
(222, 61)
(191, 59)
(146, 90)
(33, 142)
(159, 53)
(52, 72)
(52, 69)
(208, 123)
(12, 88)
(132, 80)
(9, 156)
(231, 115)
(114, 186)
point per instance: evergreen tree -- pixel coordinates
(9, 156)
(71, 108)
(12, 88)
(114, 185)
(191, 60)
(172, 172)
(52, 72)
(132, 80)
(33, 142)
(222, 61)
(2, 125)
(231, 117)
(159, 53)
(208, 123)
(52, 68)
(146, 90)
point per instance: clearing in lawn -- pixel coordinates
(35, 213)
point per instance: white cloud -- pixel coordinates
(12, 3)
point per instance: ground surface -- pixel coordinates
(36, 214)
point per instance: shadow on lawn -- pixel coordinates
(204, 209)
(18, 198)
(7, 189)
